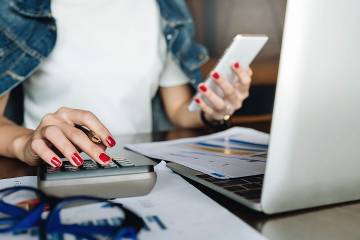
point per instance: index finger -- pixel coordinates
(89, 120)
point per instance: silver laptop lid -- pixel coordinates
(314, 155)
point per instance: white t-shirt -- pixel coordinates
(110, 58)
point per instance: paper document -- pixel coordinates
(177, 210)
(21, 198)
(236, 152)
(174, 209)
(18, 181)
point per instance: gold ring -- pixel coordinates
(226, 117)
(228, 112)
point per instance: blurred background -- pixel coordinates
(218, 21)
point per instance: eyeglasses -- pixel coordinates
(14, 218)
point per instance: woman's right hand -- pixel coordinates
(57, 135)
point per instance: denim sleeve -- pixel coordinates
(25, 39)
(179, 31)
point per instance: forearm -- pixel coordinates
(185, 119)
(176, 101)
(12, 138)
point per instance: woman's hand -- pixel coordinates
(234, 94)
(57, 135)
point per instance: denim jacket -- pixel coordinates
(28, 35)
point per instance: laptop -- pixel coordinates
(314, 151)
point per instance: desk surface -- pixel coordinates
(332, 222)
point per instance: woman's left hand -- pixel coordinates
(234, 94)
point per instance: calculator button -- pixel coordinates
(124, 163)
(52, 170)
(68, 167)
(110, 165)
(89, 165)
(127, 164)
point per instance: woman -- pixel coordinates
(110, 58)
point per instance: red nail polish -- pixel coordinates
(203, 87)
(216, 75)
(111, 141)
(56, 162)
(103, 157)
(197, 100)
(236, 65)
(78, 160)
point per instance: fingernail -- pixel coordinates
(203, 87)
(104, 158)
(111, 141)
(236, 65)
(215, 75)
(197, 100)
(56, 162)
(78, 160)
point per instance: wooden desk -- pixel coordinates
(332, 222)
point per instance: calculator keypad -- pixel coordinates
(89, 164)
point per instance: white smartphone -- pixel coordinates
(243, 49)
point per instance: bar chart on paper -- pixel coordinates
(236, 152)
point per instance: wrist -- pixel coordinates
(18, 145)
(214, 124)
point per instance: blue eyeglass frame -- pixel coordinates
(20, 219)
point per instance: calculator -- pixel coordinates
(125, 176)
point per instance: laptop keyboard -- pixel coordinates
(247, 187)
